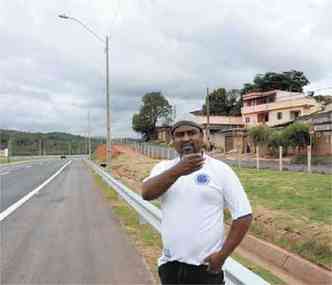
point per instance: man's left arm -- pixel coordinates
(237, 232)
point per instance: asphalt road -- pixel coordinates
(18, 180)
(66, 234)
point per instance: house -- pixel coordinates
(321, 123)
(163, 133)
(217, 126)
(276, 107)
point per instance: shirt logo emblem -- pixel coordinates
(202, 179)
(167, 252)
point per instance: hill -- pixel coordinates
(28, 143)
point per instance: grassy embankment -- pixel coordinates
(291, 209)
(148, 240)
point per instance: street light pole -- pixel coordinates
(108, 113)
(108, 101)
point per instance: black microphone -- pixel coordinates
(187, 149)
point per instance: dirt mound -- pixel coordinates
(101, 152)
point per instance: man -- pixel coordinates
(194, 190)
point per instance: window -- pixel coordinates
(295, 114)
(279, 115)
(247, 120)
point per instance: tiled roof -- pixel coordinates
(221, 120)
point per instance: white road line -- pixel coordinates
(20, 202)
(28, 166)
(4, 173)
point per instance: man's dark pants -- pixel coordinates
(175, 272)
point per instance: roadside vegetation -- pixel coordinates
(291, 209)
(3, 160)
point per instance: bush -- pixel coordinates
(297, 134)
(278, 138)
(260, 135)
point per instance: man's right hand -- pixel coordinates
(188, 164)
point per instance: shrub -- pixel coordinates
(278, 138)
(260, 135)
(297, 134)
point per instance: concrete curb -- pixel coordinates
(297, 266)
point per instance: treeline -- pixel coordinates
(53, 143)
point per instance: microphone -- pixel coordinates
(187, 149)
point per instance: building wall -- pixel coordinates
(286, 115)
(218, 140)
(163, 135)
(286, 95)
(273, 115)
(323, 144)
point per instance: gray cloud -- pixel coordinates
(53, 71)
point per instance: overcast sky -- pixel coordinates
(52, 71)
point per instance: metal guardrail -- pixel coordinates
(34, 157)
(235, 273)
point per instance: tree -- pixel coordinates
(278, 138)
(155, 107)
(260, 135)
(292, 80)
(224, 103)
(297, 134)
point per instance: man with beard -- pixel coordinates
(194, 189)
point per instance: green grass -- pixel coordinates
(265, 274)
(3, 160)
(129, 217)
(300, 194)
(298, 211)
(150, 238)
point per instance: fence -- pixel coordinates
(235, 273)
(165, 152)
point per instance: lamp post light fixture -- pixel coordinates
(108, 112)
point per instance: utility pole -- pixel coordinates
(89, 135)
(108, 113)
(40, 147)
(9, 148)
(208, 118)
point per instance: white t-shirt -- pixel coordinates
(192, 224)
